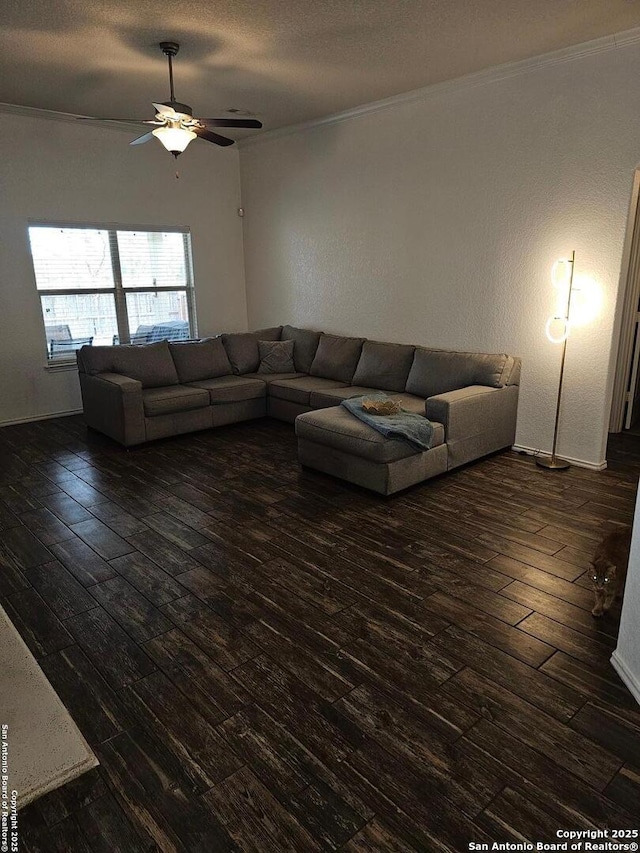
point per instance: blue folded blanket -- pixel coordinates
(407, 425)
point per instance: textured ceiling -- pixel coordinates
(286, 61)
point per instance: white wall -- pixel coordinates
(626, 658)
(63, 171)
(436, 220)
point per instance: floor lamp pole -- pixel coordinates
(553, 461)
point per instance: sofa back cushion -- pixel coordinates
(336, 357)
(438, 371)
(242, 348)
(273, 333)
(242, 351)
(150, 364)
(384, 366)
(196, 360)
(305, 345)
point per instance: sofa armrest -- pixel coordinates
(477, 420)
(112, 404)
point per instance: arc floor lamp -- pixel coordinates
(561, 275)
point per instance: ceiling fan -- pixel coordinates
(175, 125)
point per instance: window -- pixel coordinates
(111, 286)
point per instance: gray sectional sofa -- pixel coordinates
(136, 394)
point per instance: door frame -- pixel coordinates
(630, 298)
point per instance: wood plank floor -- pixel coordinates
(266, 659)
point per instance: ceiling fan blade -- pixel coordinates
(164, 110)
(147, 137)
(119, 120)
(230, 122)
(203, 133)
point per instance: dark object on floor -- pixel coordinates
(609, 566)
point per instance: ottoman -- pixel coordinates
(335, 442)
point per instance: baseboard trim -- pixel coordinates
(630, 680)
(579, 463)
(35, 418)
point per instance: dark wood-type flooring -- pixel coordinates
(266, 659)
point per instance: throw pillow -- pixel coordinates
(276, 357)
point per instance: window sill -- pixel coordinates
(61, 366)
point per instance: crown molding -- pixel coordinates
(468, 81)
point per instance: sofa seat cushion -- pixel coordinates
(411, 403)
(299, 390)
(273, 377)
(171, 399)
(231, 389)
(326, 397)
(334, 396)
(339, 429)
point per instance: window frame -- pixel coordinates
(118, 291)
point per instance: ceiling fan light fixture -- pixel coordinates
(174, 139)
(176, 126)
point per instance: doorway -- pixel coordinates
(632, 404)
(625, 406)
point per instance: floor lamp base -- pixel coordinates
(552, 462)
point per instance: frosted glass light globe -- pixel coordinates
(174, 139)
